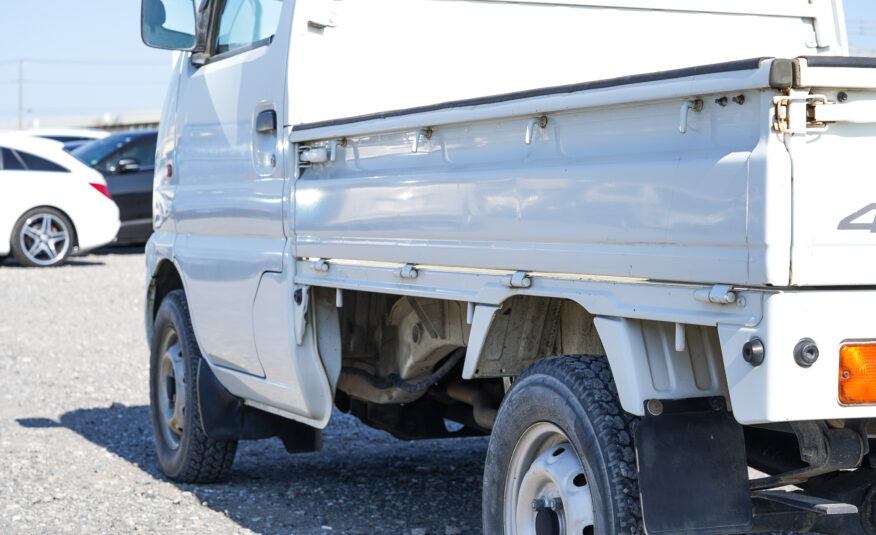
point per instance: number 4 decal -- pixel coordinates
(852, 223)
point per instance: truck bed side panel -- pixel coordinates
(607, 191)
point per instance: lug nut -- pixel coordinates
(753, 352)
(806, 352)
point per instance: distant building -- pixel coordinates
(862, 52)
(126, 120)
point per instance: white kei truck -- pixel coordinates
(633, 241)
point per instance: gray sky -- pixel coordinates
(85, 57)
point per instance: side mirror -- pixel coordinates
(126, 165)
(168, 24)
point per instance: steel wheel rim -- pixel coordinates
(171, 388)
(44, 239)
(546, 489)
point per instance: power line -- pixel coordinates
(108, 63)
(35, 109)
(88, 83)
(20, 94)
(21, 81)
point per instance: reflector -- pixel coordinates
(857, 373)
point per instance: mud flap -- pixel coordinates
(693, 476)
(225, 417)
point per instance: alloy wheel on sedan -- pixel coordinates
(42, 238)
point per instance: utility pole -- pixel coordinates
(20, 94)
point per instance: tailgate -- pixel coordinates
(834, 178)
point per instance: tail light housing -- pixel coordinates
(101, 188)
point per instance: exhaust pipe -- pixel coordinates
(482, 404)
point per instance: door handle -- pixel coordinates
(266, 122)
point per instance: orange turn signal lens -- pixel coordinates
(857, 373)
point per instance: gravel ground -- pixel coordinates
(76, 451)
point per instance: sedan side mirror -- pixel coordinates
(126, 165)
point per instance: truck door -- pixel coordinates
(228, 204)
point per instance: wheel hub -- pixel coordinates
(547, 522)
(547, 491)
(44, 239)
(171, 388)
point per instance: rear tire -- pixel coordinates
(561, 453)
(42, 237)
(185, 452)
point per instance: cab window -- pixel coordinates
(244, 22)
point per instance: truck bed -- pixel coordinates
(609, 187)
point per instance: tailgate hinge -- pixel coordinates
(796, 114)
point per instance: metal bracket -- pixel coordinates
(408, 272)
(311, 155)
(825, 450)
(520, 279)
(719, 294)
(322, 15)
(425, 132)
(795, 113)
(812, 504)
(307, 155)
(695, 105)
(335, 146)
(300, 164)
(541, 122)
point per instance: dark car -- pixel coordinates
(126, 161)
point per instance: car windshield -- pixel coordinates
(93, 153)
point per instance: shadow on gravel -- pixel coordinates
(9, 261)
(363, 482)
(120, 249)
(12, 263)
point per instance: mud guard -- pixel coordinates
(693, 476)
(226, 417)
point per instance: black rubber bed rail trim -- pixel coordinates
(731, 66)
(840, 61)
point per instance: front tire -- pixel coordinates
(561, 456)
(42, 237)
(185, 452)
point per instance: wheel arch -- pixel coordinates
(165, 279)
(523, 329)
(648, 359)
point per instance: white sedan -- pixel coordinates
(51, 204)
